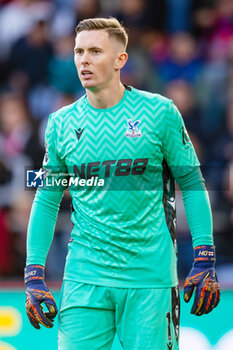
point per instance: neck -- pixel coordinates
(107, 97)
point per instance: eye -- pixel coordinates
(95, 51)
(78, 52)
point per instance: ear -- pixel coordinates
(121, 60)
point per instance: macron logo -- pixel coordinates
(79, 133)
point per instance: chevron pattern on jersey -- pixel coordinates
(116, 227)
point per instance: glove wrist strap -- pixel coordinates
(33, 273)
(204, 254)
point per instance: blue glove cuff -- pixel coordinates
(204, 255)
(33, 273)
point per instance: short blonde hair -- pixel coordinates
(111, 25)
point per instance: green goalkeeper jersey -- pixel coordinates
(124, 229)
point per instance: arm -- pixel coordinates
(182, 160)
(41, 225)
(40, 234)
(199, 217)
(197, 207)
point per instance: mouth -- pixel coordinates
(86, 74)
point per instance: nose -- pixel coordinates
(85, 59)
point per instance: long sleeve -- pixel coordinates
(41, 226)
(182, 160)
(197, 207)
(46, 204)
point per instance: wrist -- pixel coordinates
(204, 255)
(33, 273)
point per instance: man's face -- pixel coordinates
(95, 57)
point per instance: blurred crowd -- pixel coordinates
(182, 49)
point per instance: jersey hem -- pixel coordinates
(114, 284)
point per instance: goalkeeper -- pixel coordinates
(120, 273)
